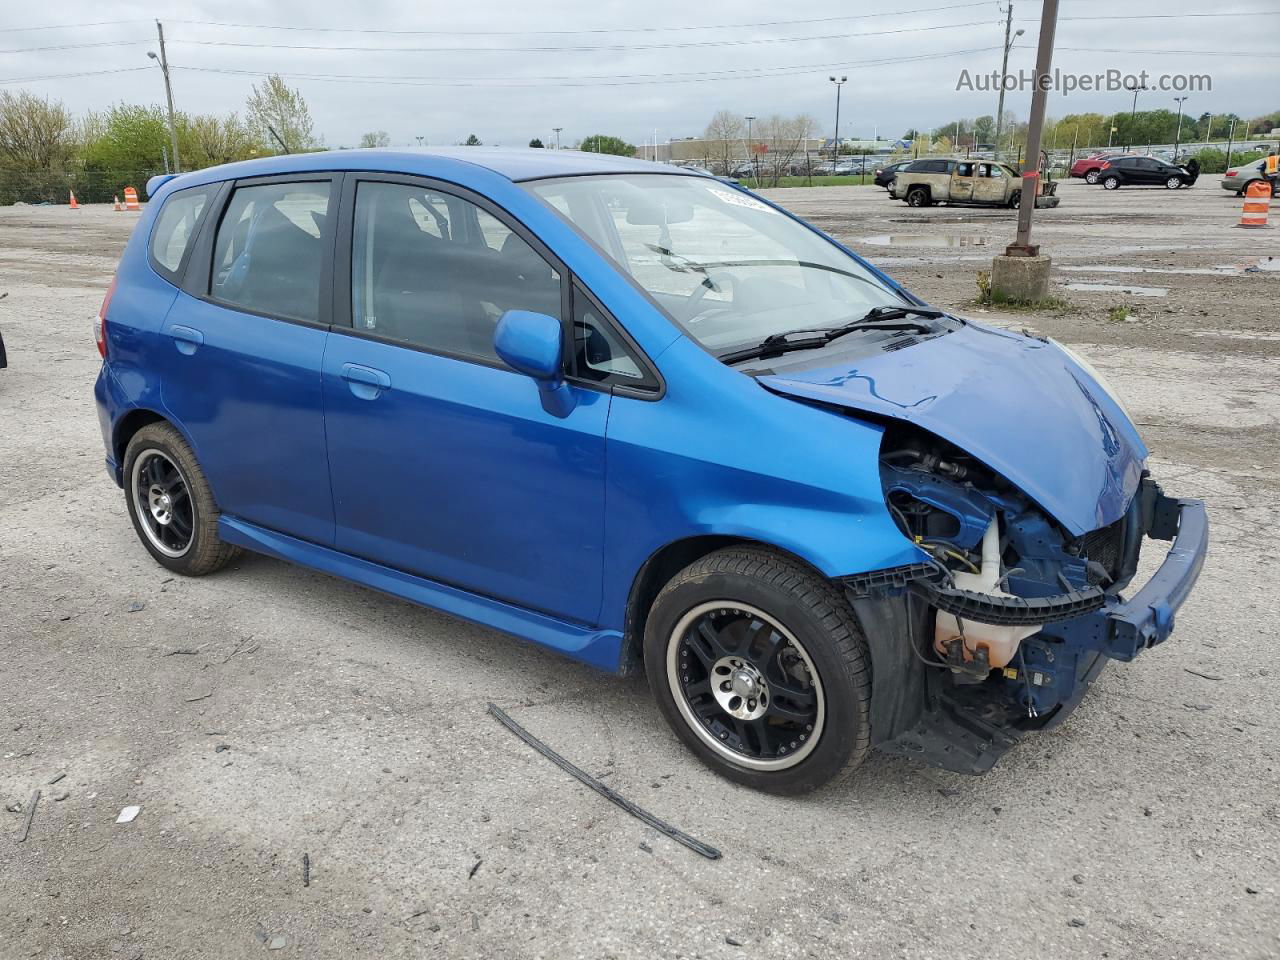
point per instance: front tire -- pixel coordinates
(760, 667)
(170, 503)
(918, 197)
(1092, 176)
(1173, 183)
(1111, 183)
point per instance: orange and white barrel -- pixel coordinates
(1257, 202)
(131, 199)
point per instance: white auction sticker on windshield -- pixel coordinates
(741, 200)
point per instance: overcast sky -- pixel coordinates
(465, 73)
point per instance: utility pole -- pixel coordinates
(1231, 132)
(1177, 137)
(751, 154)
(1039, 98)
(836, 144)
(1022, 274)
(168, 93)
(557, 132)
(1133, 114)
(1004, 72)
(1208, 129)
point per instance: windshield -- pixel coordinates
(730, 269)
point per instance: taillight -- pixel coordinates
(1231, 173)
(100, 324)
(1105, 166)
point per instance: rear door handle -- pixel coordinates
(186, 339)
(365, 382)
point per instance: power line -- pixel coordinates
(506, 33)
(79, 46)
(583, 48)
(66, 76)
(602, 80)
(561, 33)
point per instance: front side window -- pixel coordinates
(437, 271)
(729, 268)
(176, 225)
(600, 354)
(268, 251)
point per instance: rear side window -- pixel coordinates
(176, 227)
(269, 249)
(437, 271)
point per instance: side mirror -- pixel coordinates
(533, 344)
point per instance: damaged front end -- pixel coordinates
(1009, 616)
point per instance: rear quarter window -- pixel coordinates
(176, 228)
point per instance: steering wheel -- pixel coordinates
(709, 282)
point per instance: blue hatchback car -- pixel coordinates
(639, 416)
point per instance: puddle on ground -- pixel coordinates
(1253, 265)
(1119, 288)
(925, 240)
(1237, 334)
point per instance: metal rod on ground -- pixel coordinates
(711, 853)
(31, 812)
(1039, 98)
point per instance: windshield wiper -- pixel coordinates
(877, 318)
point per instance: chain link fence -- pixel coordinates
(55, 186)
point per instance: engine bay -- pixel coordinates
(1010, 590)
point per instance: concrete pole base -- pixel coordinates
(1023, 279)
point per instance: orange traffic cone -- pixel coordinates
(118, 206)
(1257, 199)
(131, 199)
(74, 205)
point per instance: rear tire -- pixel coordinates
(918, 197)
(170, 503)
(760, 667)
(1111, 183)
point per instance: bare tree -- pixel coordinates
(35, 134)
(378, 138)
(723, 138)
(785, 138)
(277, 108)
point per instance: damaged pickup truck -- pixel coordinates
(640, 417)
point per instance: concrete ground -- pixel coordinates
(269, 712)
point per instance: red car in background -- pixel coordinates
(1088, 167)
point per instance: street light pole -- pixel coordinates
(1004, 72)
(168, 93)
(836, 142)
(557, 132)
(1177, 137)
(751, 154)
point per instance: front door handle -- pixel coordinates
(186, 339)
(366, 383)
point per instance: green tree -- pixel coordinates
(984, 128)
(535, 142)
(603, 143)
(206, 140)
(275, 107)
(473, 141)
(377, 138)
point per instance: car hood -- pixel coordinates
(1021, 405)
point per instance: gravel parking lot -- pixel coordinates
(269, 712)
